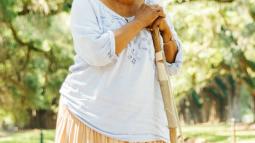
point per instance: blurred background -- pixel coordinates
(215, 91)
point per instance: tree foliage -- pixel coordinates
(36, 50)
(219, 39)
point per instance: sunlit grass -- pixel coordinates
(29, 136)
(219, 133)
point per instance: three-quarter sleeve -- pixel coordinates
(93, 45)
(173, 68)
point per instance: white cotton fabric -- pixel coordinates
(118, 96)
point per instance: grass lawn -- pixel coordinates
(28, 136)
(219, 133)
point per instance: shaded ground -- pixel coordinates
(220, 133)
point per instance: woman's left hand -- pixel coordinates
(164, 28)
(161, 24)
(170, 48)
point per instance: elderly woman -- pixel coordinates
(112, 94)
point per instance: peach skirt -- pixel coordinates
(70, 129)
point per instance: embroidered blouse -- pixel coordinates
(116, 95)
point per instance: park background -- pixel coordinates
(216, 86)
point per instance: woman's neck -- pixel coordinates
(124, 8)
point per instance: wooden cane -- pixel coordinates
(165, 86)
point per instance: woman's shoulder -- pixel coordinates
(87, 9)
(81, 6)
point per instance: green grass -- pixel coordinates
(219, 133)
(28, 136)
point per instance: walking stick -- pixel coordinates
(165, 86)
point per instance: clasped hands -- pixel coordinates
(153, 16)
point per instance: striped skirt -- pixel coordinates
(69, 129)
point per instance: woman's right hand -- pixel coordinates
(144, 17)
(147, 14)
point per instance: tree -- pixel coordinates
(35, 52)
(219, 56)
(218, 71)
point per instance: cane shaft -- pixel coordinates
(165, 88)
(156, 40)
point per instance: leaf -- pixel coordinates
(7, 12)
(196, 98)
(212, 92)
(251, 64)
(250, 81)
(232, 82)
(249, 29)
(219, 82)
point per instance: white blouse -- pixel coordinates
(118, 96)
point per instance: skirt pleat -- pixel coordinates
(69, 129)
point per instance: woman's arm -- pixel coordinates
(125, 34)
(99, 48)
(176, 50)
(169, 45)
(145, 16)
(172, 44)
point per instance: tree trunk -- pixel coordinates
(45, 119)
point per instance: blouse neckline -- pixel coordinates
(114, 12)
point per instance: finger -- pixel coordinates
(156, 7)
(149, 28)
(162, 14)
(159, 10)
(157, 23)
